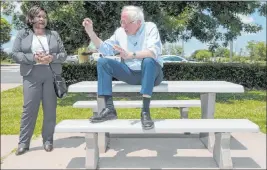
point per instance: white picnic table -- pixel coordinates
(214, 134)
(206, 89)
(165, 86)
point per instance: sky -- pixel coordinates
(193, 44)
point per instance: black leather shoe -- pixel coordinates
(48, 147)
(104, 115)
(146, 121)
(21, 150)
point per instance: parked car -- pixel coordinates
(72, 59)
(96, 56)
(173, 59)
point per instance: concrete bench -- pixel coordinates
(184, 105)
(206, 89)
(221, 127)
(103, 138)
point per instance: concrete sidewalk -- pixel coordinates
(7, 86)
(8, 143)
(13, 64)
(125, 151)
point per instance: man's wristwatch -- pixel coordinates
(134, 55)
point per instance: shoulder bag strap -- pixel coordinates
(45, 50)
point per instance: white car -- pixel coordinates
(173, 59)
(72, 59)
(96, 56)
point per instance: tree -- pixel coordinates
(261, 50)
(263, 9)
(257, 50)
(202, 55)
(5, 31)
(241, 52)
(175, 19)
(172, 49)
(4, 55)
(222, 52)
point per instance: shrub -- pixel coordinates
(251, 76)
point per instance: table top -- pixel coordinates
(165, 86)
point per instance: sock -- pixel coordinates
(146, 103)
(109, 102)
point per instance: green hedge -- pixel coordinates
(249, 75)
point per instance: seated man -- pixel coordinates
(138, 44)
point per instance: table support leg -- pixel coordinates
(207, 112)
(184, 115)
(92, 154)
(103, 138)
(221, 152)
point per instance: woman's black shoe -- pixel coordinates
(48, 147)
(21, 151)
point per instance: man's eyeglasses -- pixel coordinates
(123, 22)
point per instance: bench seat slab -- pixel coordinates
(139, 104)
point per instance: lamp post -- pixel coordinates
(183, 47)
(231, 50)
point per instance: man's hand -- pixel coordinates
(88, 25)
(123, 53)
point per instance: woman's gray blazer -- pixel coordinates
(23, 55)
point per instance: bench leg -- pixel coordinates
(208, 139)
(207, 112)
(184, 112)
(103, 140)
(100, 104)
(92, 154)
(184, 115)
(221, 152)
(94, 111)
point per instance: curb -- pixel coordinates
(7, 86)
(9, 64)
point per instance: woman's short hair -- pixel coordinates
(33, 12)
(134, 12)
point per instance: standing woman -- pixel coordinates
(34, 49)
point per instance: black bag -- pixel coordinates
(59, 84)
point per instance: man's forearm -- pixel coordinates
(143, 54)
(94, 38)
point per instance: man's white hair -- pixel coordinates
(134, 13)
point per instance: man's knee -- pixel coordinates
(101, 61)
(148, 61)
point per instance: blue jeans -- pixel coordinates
(149, 76)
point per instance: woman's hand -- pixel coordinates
(46, 59)
(37, 56)
(42, 58)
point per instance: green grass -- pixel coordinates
(5, 62)
(251, 105)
